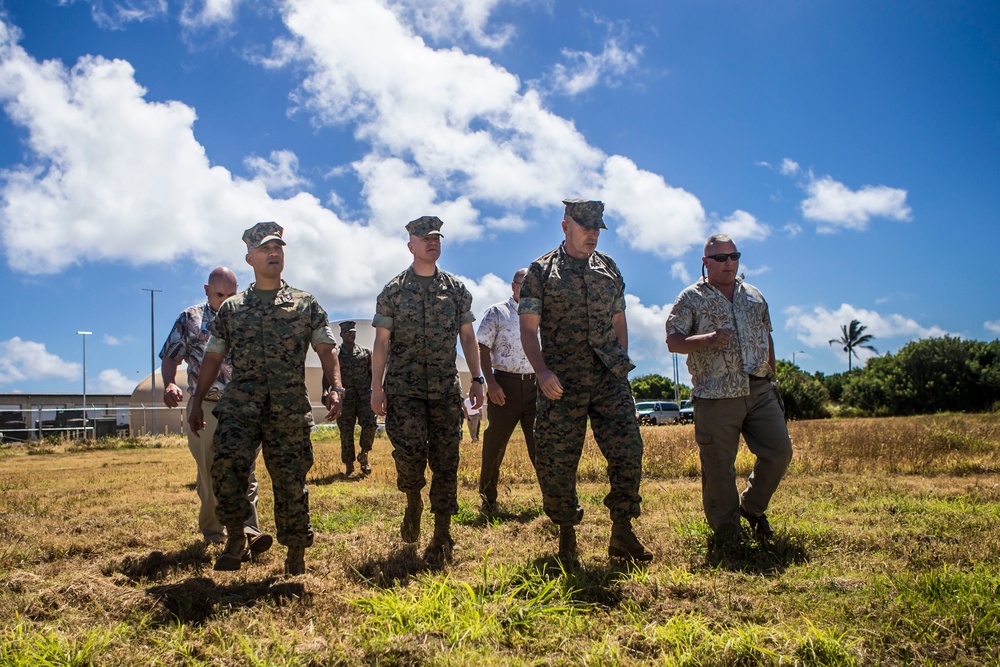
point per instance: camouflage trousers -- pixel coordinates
(288, 456)
(426, 433)
(357, 409)
(560, 431)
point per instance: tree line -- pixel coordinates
(926, 376)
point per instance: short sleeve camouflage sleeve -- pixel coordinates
(465, 306)
(384, 309)
(530, 301)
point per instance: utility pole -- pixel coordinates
(84, 334)
(152, 353)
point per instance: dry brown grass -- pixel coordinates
(100, 559)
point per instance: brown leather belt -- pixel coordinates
(519, 376)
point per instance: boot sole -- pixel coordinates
(615, 552)
(226, 563)
(261, 543)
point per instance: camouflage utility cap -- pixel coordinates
(347, 326)
(427, 225)
(587, 214)
(261, 233)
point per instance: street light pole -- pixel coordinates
(84, 334)
(152, 354)
(796, 352)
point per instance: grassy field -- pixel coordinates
(887, 553)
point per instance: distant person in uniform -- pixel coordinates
(356, 372)
(268, 330)
(415, 381)
(186, 343)
(735, 389)
(575, 297)
(510, 386)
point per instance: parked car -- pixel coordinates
(687, 413)
(657, 412)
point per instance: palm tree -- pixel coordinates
(853, 336)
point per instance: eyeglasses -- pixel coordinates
(722, 257)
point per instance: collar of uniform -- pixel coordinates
(283, 296)
(410, 279)
(592, 261)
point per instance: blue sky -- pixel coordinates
(851, 148)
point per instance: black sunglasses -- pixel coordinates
(722, 257)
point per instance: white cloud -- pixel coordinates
(208, 13)
(488, 290)
(587, 70)
(789, 167)
(817, 327)
(115, 14)
(112, 177)
(451, 21)
(679, 271)
(116, 341)
(112, 381)
(743, 226)
(792, 229)
(757, 271)
(834, 206)
(279, 174)
(455, 126)
(647, 339)
(992, 326)
(25, 360)
(658, 218)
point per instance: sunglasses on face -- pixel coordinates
(722, 257)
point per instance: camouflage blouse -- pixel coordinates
(577, 300)
(424, 323)
(269, 342)
(723, 372)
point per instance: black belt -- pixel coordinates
(519, 376)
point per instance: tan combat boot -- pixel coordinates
(236, 551)
(295, 561)
(624, 543)
(440, 548)
(410, 530)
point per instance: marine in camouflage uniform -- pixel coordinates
(356, 372)
(267, 329)
(186, 343)
(418, 315)
(723, 325)
(575, 296)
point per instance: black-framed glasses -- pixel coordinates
(722, 257)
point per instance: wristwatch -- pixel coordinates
(480, 379)
(339, 390)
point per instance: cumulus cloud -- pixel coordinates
(25, 360)
(743, 226)
(586, 70)
(112, 381)
(113, 177)
(279, 173)
(462, 126)
(655, 217)
(992, 326)
(834, 206)
(817, 327)
(199, 14)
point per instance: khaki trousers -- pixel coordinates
(202, 451)
(718, 424)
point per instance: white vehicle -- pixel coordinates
(687, 412)
(657, 412)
